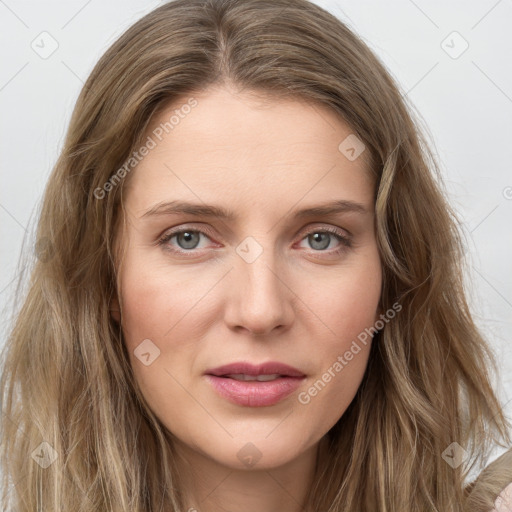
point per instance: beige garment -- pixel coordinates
(503, 502)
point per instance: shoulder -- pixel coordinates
(492, 490)
(503, 502)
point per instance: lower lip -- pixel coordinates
(255, 393)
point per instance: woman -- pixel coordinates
(250, 294)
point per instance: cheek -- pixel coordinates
(156, 302)
(157, 307)
(142, 318)
(171, 309)
(348, 308)
(347, 303)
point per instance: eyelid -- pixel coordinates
(308, 229)
(185, 227)
(318, 226)
(170, 233)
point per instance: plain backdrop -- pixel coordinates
(452, 60)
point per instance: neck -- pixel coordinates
(208, 486)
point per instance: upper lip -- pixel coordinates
(246, 368)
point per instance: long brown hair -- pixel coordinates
(67, 381)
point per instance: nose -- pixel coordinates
(260, 300)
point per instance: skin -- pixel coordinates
(296, 303)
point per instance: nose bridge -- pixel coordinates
(261, 298)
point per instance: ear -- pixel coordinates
(115, 311)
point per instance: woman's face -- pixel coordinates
(266, 284)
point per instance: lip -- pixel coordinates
(255, 393)
(246, 368)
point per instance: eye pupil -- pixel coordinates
(317, 238)
(188, 235)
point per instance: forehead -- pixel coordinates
(245, 147)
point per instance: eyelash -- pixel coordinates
(345, 242)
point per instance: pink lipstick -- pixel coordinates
(251, 385)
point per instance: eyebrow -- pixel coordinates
(206, 210)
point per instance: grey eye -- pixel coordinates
(316, 240)
(190, 239)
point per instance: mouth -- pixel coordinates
(251, 378)
(251, 385)
(243, 369)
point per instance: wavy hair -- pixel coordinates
(67, 379)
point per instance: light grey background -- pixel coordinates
(465, 101)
